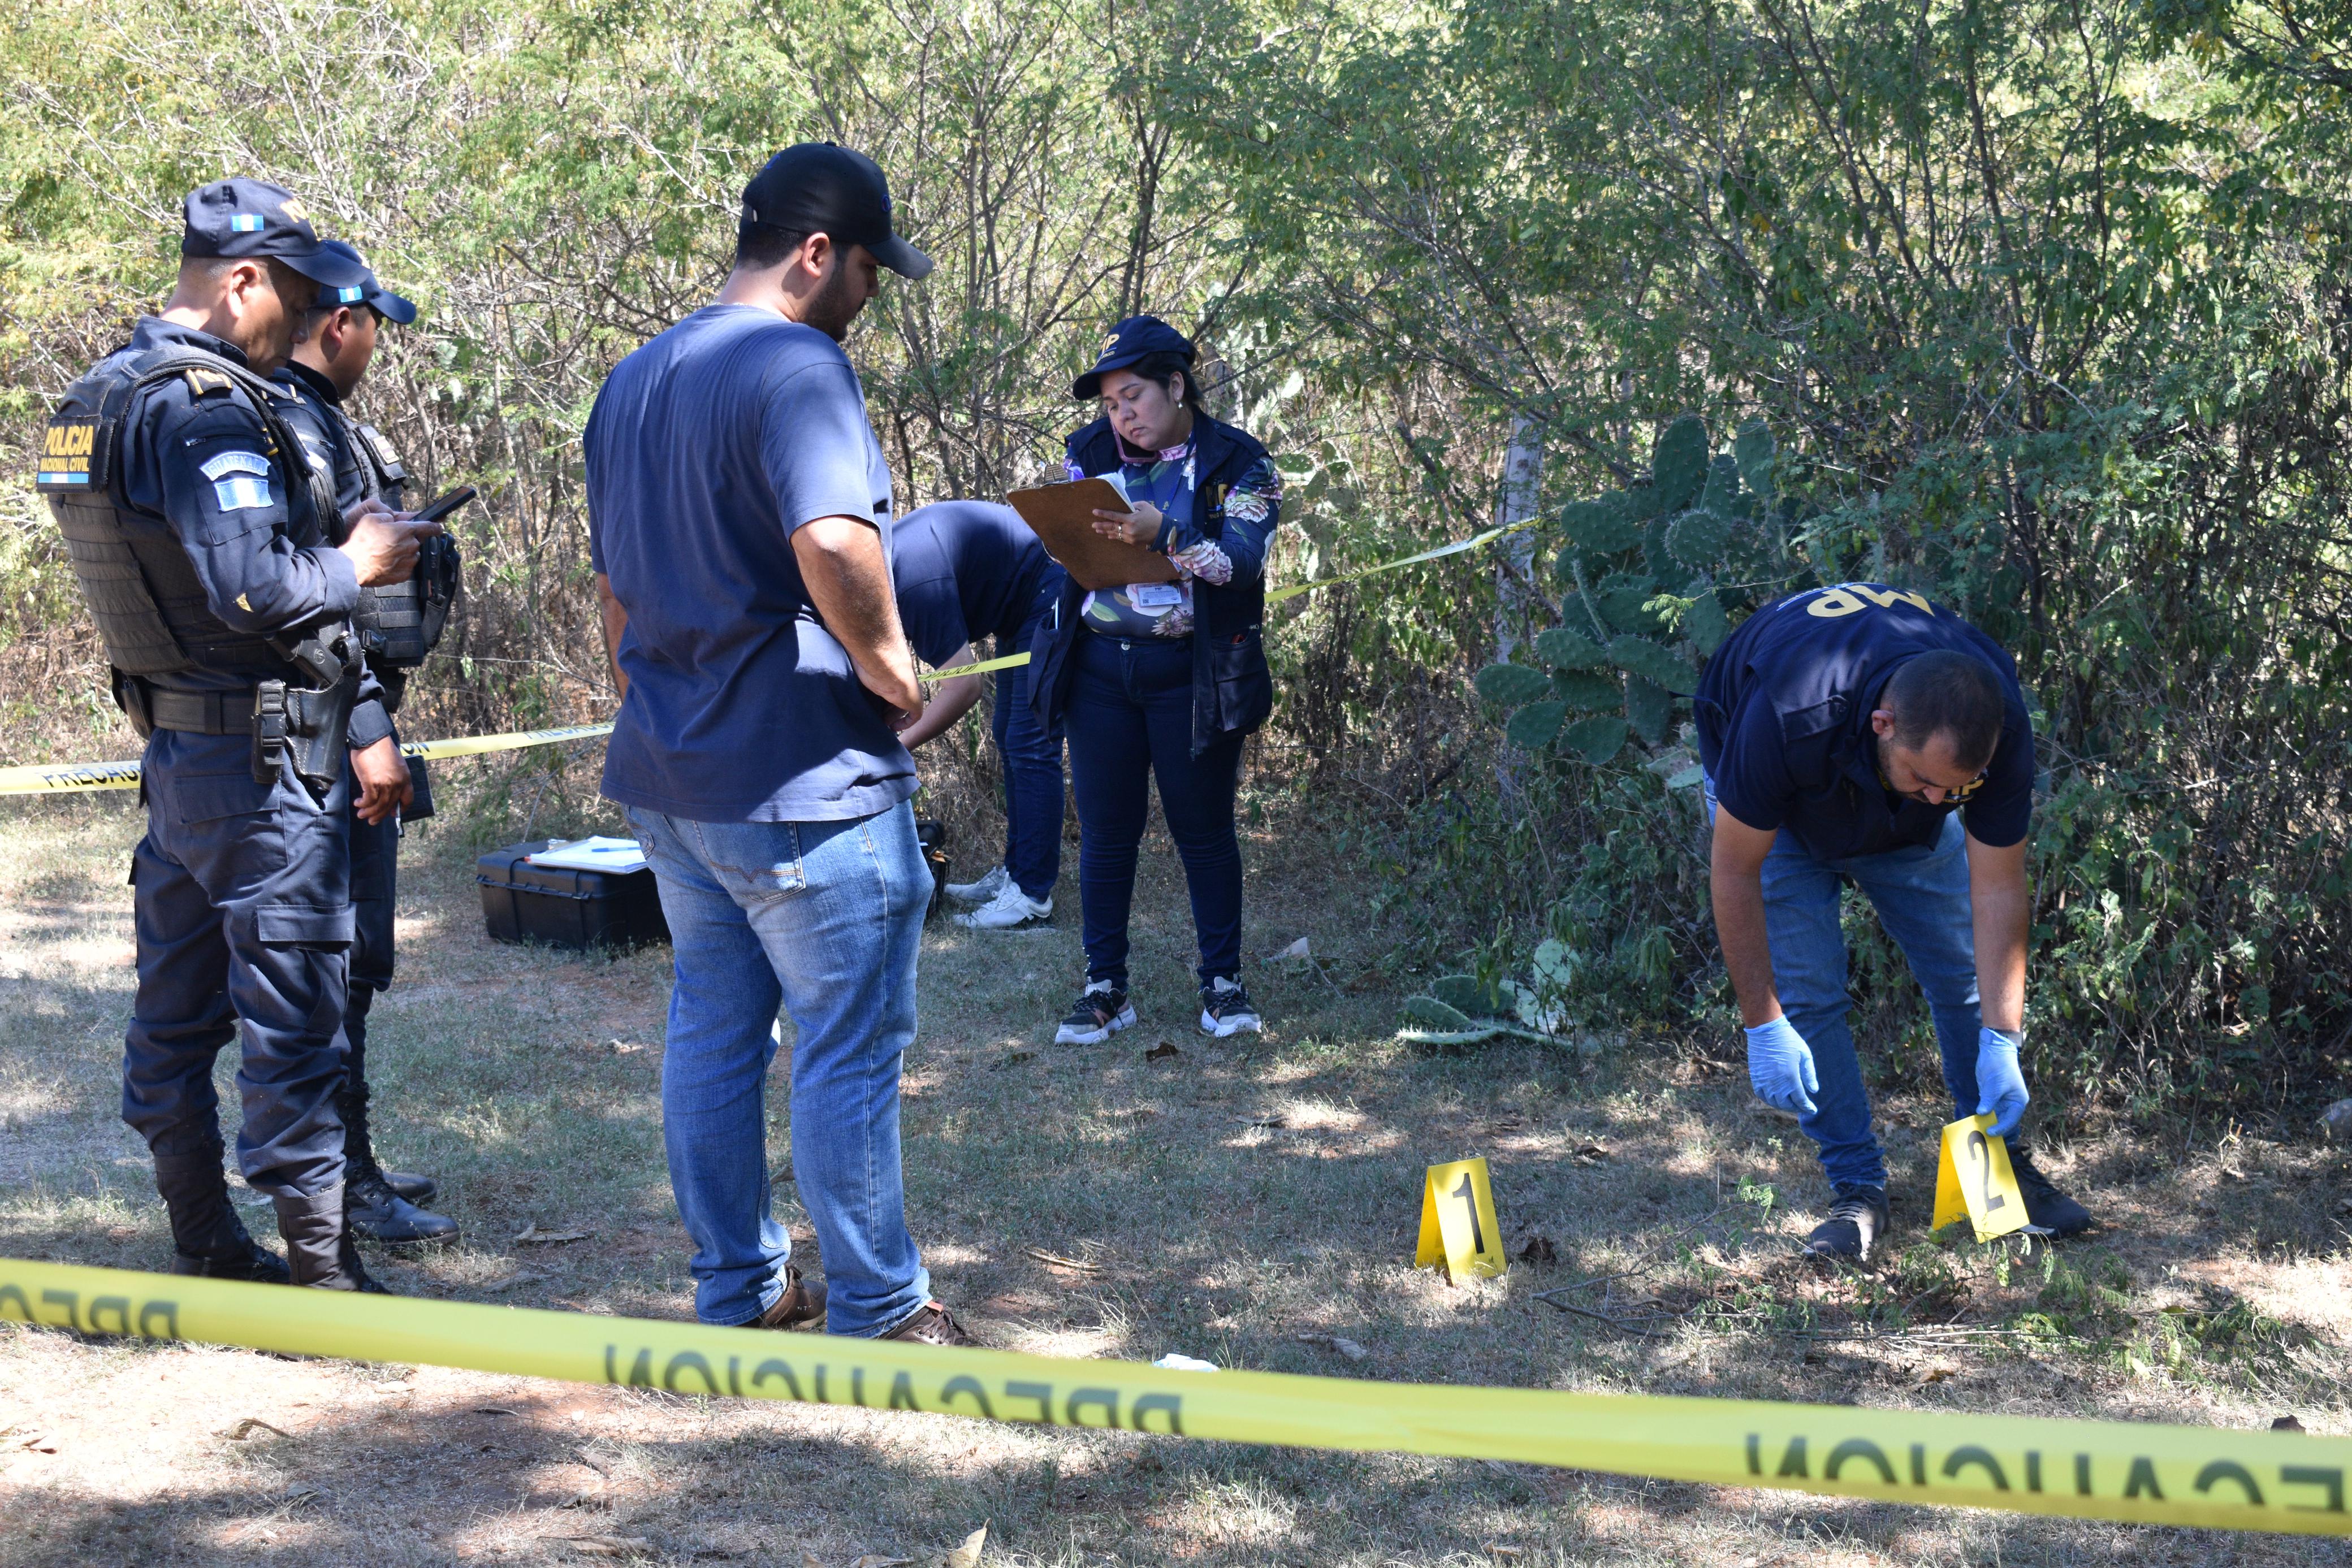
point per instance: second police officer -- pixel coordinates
(202, 548)
(398, 624)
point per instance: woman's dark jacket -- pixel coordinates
(1232, 690)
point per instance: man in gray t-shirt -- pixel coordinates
(739, 513)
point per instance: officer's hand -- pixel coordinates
(2000, 1082)
(383, 543)
(1780, 1066)
(1139, 525)
(383, 782)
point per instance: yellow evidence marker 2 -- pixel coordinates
(1973, 1181)
(1457, 1222)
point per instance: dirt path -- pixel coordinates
(1226, 1200)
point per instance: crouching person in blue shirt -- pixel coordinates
(965, 571)
(1862, 734)
(739, 514)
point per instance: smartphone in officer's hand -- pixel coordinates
(441, 506)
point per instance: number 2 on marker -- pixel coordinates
(1981, 1151)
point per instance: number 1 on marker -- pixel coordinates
(1457, 1221)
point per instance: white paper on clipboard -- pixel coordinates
(593, 854)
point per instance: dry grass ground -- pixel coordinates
(1224, 1201)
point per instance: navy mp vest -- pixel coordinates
(1820, 661)
(1233, 688)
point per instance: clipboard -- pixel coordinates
(1063, 519)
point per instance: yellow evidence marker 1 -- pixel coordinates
(1457, 1222)
(1973, 1181)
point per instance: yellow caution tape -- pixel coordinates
(2145, 1474)
(40, 779)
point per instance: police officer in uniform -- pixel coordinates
(1863, 735)
(398, 624)
(201, 545)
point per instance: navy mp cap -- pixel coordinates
(818, 187)
(367, 291)
(238, 218)
(1134, 340)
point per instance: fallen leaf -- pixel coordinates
(1165, 1049)
(521, 1277)
(1592, 1154)
(1276, 1121)
(621, 1047)
(250, 1425)
(2287, 1424)
(300, 1491)
(1938, 1374)
(783, 1175)
(533, 1235)
(968, 1554)
(1339, 1343)
(492, 1410)
(1010, 1059)
(1538, 1249)
(1503, 1554)
(808, 1560)
(37, 1443)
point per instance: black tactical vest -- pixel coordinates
(399, 623)
(151, 609)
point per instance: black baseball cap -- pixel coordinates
(367, 291)
(237, 218)
(1136, 339)
(818, 187)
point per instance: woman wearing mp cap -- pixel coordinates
(1162, 679)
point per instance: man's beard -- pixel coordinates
(836, 303)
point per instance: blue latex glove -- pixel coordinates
(1780, 1066)
(2000, 1082)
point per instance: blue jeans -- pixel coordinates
(1130, 719)
(1033, 776)
(824, 919)
(1921, 895)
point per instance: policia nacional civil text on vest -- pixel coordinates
(398, 624)
(1864, 735)
(201, 544)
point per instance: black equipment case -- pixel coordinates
(569, 908)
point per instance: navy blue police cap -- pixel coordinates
(817, 187)
(237, 218)
(367, 291)
(1134, 340)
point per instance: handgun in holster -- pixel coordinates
(303, 725)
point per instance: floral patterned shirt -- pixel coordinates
(1167, 480)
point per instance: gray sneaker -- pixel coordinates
(1857, 1219)
(978, 892)
(1010, 910)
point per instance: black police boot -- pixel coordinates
(1857, 1219)
(207, 1237)
(377, 1213)
(358, 1150)
(2045, 1206)
(319, 1245)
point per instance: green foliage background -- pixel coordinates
(2040, 304)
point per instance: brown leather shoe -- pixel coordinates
(799, 1303)
(930, 1324)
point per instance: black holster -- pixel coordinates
(305, 728)
(131, 698)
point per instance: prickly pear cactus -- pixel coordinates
(1641, 571)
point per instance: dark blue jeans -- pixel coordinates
(1033, 777)
(1130, 717)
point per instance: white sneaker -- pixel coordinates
(978, 892)
(1226, 1008)
(1009, 911)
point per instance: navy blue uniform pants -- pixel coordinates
(375, 866)
(1130, 719)
(1033, 774)
(242, 892)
